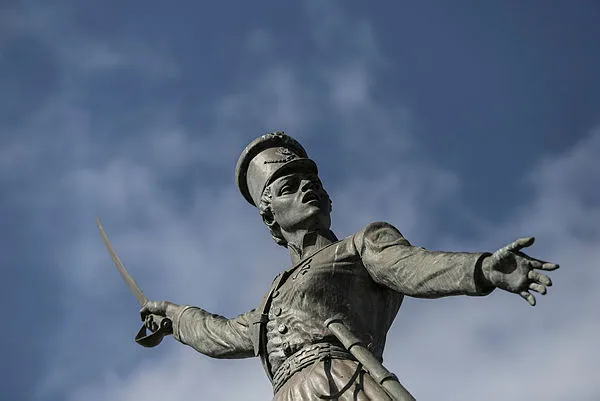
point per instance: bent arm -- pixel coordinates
(393, 262)
(214, 335)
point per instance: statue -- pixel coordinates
(321, 328)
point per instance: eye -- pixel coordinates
(285, 189)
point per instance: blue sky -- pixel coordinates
(465, 124)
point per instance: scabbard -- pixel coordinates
(387, 380)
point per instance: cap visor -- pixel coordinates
(294, 166)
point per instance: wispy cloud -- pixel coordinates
(164, 189)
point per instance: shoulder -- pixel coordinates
(380, 227)
(379, 230)
(378, 234)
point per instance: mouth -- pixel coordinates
(311, 198)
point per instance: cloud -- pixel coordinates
(548, 352)
(181, 374)
(189, 237)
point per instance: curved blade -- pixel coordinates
(133, 287)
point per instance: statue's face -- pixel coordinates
(300, 202)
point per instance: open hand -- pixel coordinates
(511, 270)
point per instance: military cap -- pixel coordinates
(267, 158)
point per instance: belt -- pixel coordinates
(306, 357)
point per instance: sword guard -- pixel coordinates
(164, 326)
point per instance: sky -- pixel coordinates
(465, 124)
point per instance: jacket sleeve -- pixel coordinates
(394, 263)
(214, 335)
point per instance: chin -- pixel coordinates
(316, 221)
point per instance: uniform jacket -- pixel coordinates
(362, 278)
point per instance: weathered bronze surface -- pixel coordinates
(358, 282)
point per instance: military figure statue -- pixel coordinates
(357, 282)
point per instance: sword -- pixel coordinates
(386, 379)
(159, 326)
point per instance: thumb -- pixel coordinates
(520, 244)
(514, 246)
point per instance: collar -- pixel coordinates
(311, 242)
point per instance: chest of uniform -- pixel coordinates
(334, 270)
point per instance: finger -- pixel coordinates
(527, 296)
(549, 266)
(520, 244)
(539, 264)
(538, 288)
(151, 323)
(533, 263)
(540, 278)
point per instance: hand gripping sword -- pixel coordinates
(159, 326)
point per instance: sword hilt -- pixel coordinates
(159, 327)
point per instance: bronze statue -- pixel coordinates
(321, 328)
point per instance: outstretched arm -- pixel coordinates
(393, 262)
(209, 334)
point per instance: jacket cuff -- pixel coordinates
(482, 286)
(177, 320)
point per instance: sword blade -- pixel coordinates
(133, 287)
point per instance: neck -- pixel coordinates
(303, 242)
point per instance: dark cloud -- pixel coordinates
(138, 113)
